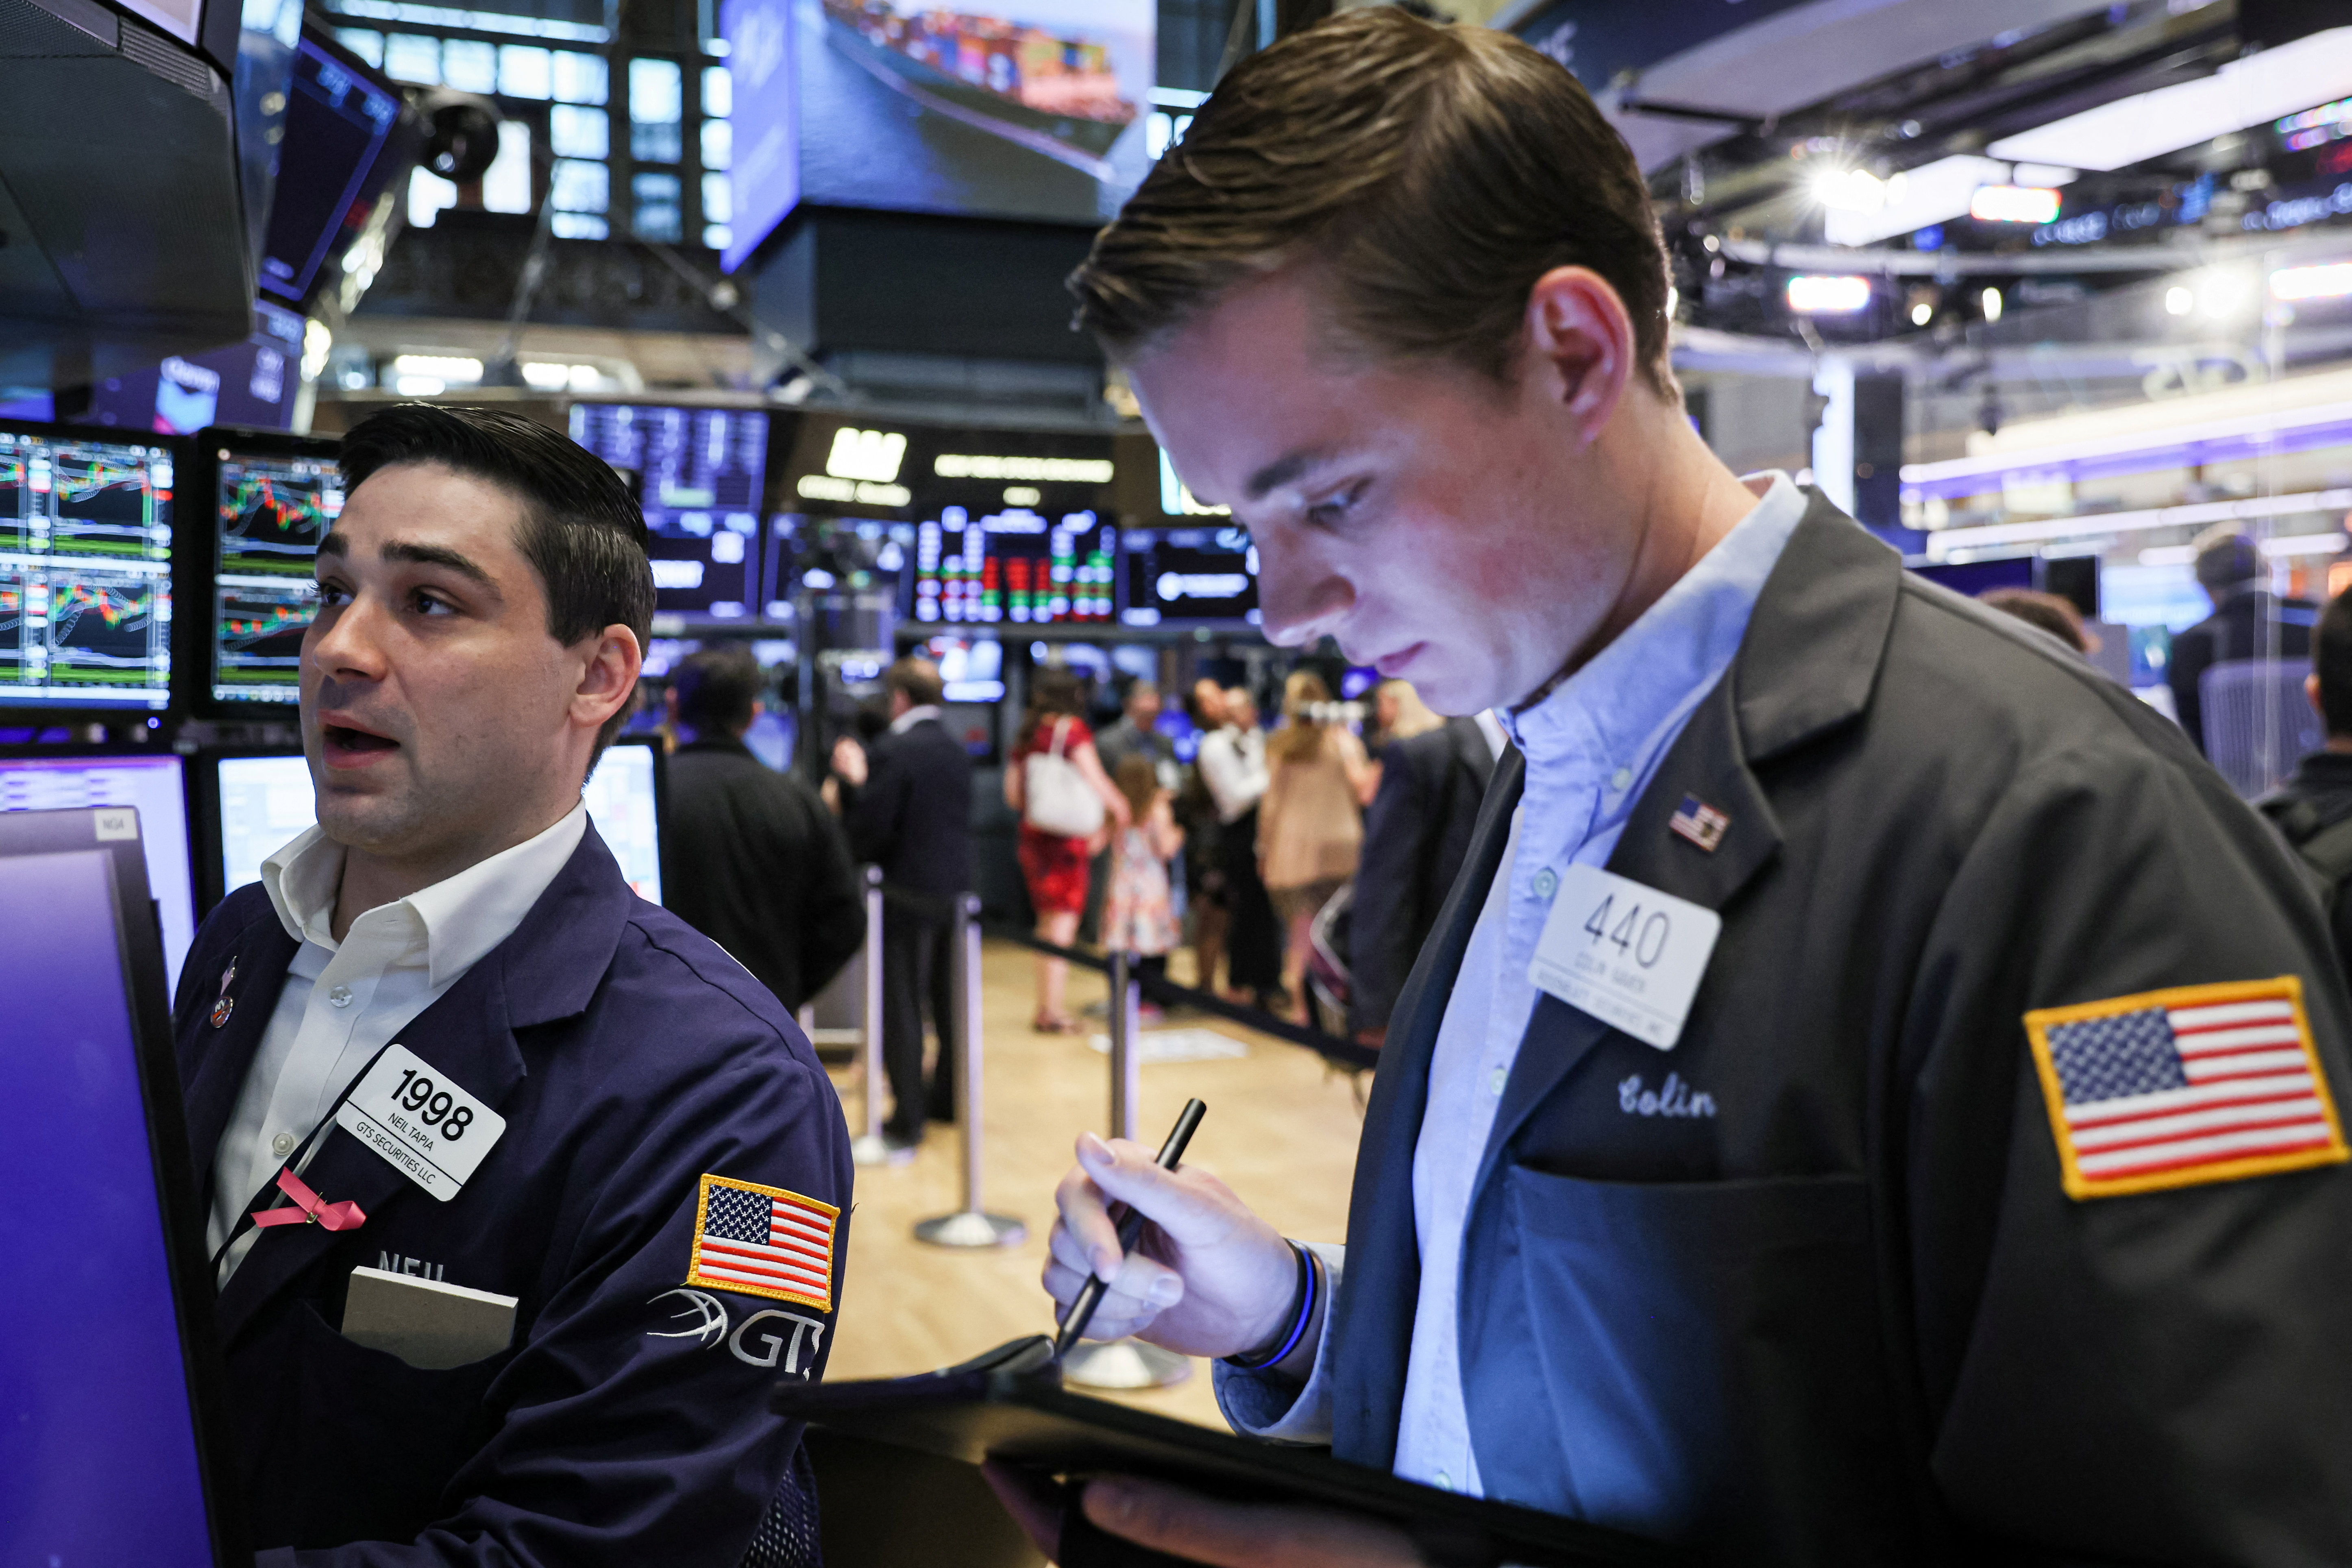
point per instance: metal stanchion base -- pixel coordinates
(1124, 1364)
(877, 1152)
(973, 1228)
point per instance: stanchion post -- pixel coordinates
(870, 1148)
(972, 1225)
(1128, 1363)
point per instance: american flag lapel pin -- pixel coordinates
(2174, 1088)
(1700, 822)
(228, 1003)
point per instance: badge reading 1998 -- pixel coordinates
(1630, 955)
(426, 1127)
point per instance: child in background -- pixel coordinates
(1138, 916)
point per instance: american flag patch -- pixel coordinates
(1699, 822)
(763, 1241)
(2170, 1088)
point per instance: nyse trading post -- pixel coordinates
(1189, 576)
(1014, 566)
(85, 573)
(699, 474)
(270, 513)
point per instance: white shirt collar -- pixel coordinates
(460, 918)
(912, 717)
(1642, 684)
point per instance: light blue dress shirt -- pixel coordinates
(1591, 747)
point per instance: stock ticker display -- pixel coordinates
(701, 473)
(1015, 566)
(85, 573)
(270, 511)
(1190, 575)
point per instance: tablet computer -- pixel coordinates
(1010, 1407)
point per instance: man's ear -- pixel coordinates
(1580, 345)
(613, 660)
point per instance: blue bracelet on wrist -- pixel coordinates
(1310, 1274)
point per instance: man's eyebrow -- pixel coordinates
(335, 544)
(1282, 471)
(435, 555)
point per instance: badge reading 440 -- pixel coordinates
(430, 1129)
(1628, 954)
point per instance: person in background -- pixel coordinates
(1196, 815)
(1310, 826)
(2247, 622)
(756, 863)
(1434, 778)
(846, 767)
(2052, 613)
(1056, 864)
(1139, 915)
(2313, 810)
(912, 818)
(1134, 734)
(1232, 764)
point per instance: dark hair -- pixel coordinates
(2225, 558)
(1433, 174)
(582, 530)
(917, 678)
(1139, 781)
(716, 689)
(2331, 660)
(1054, 692)
(2053, 614)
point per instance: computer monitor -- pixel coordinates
(64, 778)
(113, 1444)
(341, 117)
(702, 475)
(85, 570)
(1014, 567)
(245, 575)
(259, 801)
(1188, 576)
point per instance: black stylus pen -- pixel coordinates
(1090, 1294)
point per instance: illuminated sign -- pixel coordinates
(1813, 295)
(870, 455)
(824, 487)
(2013, 204)
(1034, 470)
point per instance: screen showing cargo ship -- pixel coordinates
(85, 571)
(270, 509)
(1033, 108)
(1189, 575)
(1016, 566)
(700, 473)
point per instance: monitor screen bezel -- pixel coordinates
(195, 560)
(139, 941)
(189, 802)
(181, 456)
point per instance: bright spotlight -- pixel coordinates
(1849, 190)
(1922, 313)
(1811, 294)
(2221, 295)
(2179, 302)
(1991, 301)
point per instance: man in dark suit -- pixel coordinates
(756, 862)
(2246, 621)
(1415, 836)
(913, 818)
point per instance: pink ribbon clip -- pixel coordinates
(310, 1209)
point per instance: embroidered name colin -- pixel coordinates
(1671, 1098)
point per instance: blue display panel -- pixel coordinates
(100, 1457)
(85, 571)
(764, 181)
(337, 122)
(153, 784)
(701, 473)
(265, 802)
(270, 508)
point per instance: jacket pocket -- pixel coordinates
(1705, 1358)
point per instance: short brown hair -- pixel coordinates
(1434, 173)
(917, 678)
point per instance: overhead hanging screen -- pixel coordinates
(701, 473)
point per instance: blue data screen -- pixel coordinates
(97, 1446)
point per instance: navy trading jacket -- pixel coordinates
(643, 1075)
(1898, 1254)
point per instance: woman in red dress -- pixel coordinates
(1056, 864)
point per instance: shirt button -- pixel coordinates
(1499, 1077)
(1620, 778)
(280, 1144)
(1547, 882)
(340, 995)
(1444, 1481)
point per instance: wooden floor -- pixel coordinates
(1281, 1129)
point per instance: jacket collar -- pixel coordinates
(1808, 665)
(215, 1060)
(548, 970)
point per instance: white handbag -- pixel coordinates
(1056, 796)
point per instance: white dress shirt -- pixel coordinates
(1232, 764)
(1592, 746)
(343, 1001)
(912, 717)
